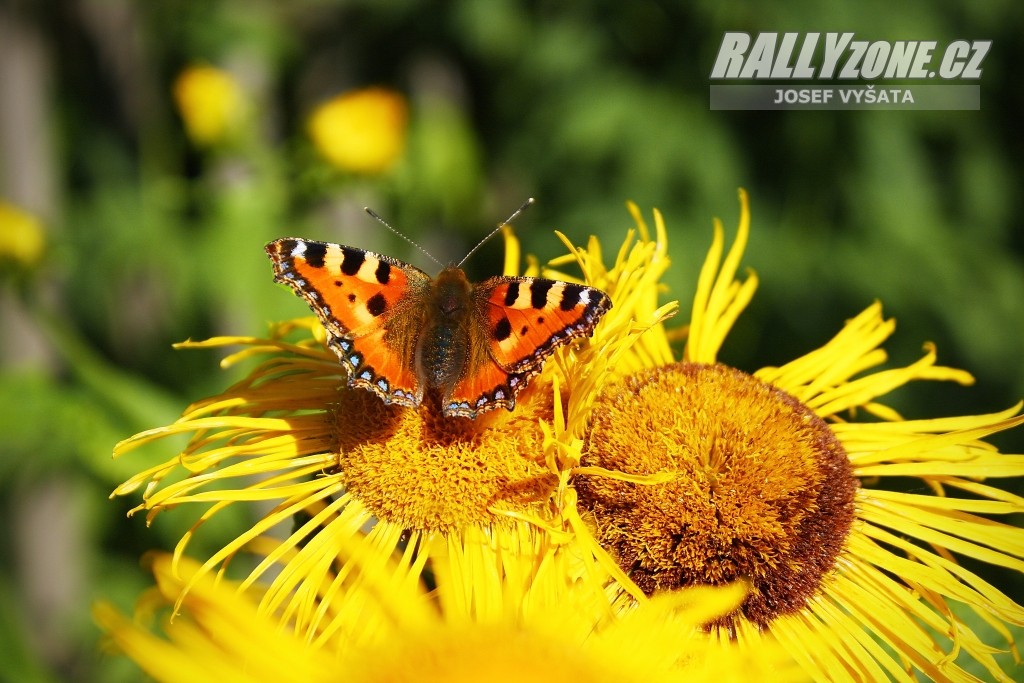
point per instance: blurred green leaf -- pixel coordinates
(20, 666)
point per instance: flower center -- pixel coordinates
(763, 490)
(426, 472)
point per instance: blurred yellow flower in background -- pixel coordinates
(548, 628)
(362, 131)
(22, 239)
(211, 103)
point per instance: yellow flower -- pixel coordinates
(21, 235)
(623, 471)
(211, 103)
(362, 131)
(695, 473)
(294, 437)
(547, 628)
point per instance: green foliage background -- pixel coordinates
(581, 105)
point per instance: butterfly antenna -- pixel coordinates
(501, 225)
(385, 224)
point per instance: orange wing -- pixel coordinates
(363, 300)
(527, 318)
(485, 387)
(518, 323)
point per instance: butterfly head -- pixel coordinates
(452, 291)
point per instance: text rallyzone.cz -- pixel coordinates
(769, 57)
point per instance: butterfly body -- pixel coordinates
(443, 346)
(400, 333)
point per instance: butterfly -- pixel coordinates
(399, 332)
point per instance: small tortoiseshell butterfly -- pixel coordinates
(398, 332)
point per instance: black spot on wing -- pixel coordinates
(377, 304)
(383, 272)
(314, 254)
(352, 260)
(503, 330)
(539, 292)
(570, 297)
(512, 293)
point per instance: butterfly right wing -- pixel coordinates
(517, 323)
(364, 301)
(528, 318)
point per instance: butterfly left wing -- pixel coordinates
(519, 322)
(368, 303)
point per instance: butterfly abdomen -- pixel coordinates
(443, 350)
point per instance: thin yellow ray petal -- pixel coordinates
(1005, 466)
(292, 542)
(580, 256)
(283, 511)
(860, 391)
(591, 546)
(864, 453)
(559, 261)
(922, 524)
(863, 456)
(956, 423)
(899, 632)
(594, 253)
(513, 252)
(865, 565)
(643, 479)
(283, 396)
(555, 534)
(638, 218)
(939, 617)
(266, 424)
(719, 298)
(147, 476)
(731, 264)
(264, 489)
(372, 587)
(699, 317)
(941, 575)
(882, 412)
(821, 651)
(237, 340)
(937, 441)
(256, 453)
(983, 490)
(308, 350)
(870, 654)
(915, 500)
(1000, 628)
(851, 349)
(739, 300)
